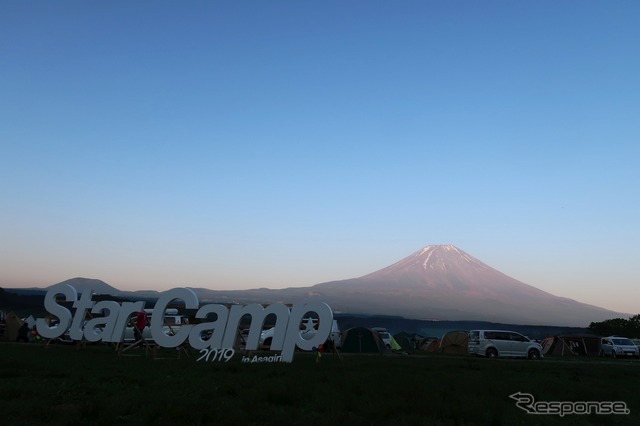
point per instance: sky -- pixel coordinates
(247, 144)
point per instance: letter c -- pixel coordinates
(157, 319)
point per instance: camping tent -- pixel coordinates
(408, 340)
(394, 345)
(361, 340)
(455, 342)
(574, 344)
(430, 344)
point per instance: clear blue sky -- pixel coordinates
(245, 144)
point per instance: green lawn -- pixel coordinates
(63, 385)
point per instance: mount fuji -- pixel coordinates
(443, 282)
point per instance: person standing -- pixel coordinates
(142, 321)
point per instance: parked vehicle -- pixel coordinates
(308, 329)
(503, 343)
(616, 346)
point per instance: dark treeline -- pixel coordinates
(618, 327)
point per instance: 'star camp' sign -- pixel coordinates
(220, 333)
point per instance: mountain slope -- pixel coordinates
(444, 282)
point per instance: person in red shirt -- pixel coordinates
(141, 322)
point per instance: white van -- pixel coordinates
(503, 343)
(616, 346)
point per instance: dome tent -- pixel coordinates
(455, 342)
(361, 340)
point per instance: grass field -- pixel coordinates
(63, 385)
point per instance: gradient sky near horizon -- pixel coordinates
(245, 144)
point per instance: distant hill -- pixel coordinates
(97, 286)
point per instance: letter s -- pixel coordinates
(59, 311)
